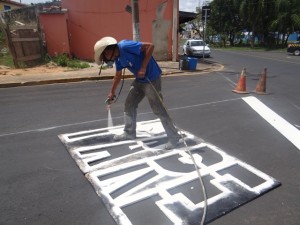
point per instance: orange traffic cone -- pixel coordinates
(241, 85)
(261, 85)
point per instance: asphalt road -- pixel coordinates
(41, 184)
(263, 146)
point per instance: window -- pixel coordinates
(197, 43)
(7, 7)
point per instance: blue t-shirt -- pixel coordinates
(131, 57)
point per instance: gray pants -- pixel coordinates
(136, 94)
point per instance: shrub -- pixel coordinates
(64, 61)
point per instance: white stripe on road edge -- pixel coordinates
(280, 124)
(105, 119)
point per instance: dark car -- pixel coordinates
(294, 48)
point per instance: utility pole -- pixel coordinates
(205, 14)
(135, 20)
(204, 33)
(175, 31)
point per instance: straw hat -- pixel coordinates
(101, 45)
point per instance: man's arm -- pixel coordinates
(115, 84)
(147, 48)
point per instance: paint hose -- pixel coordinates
(190, 153)
(114, 99)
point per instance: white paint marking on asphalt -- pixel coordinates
(280, 124)
(109, 173)
(208, 103)
(50, 128)
(93, 121)
(232, 83)
(296, 106)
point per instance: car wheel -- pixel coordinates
(297, 52)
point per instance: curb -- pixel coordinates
(67, 80)
(105, 77)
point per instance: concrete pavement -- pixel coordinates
(92, 73)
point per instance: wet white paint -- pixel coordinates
(106, 180)
(109, 118)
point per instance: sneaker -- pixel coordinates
(171, 144)
(124, 136)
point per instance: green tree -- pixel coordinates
(253, 13)
(287, 20)
(225, 19)
(263, 18)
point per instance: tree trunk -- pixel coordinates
(252, 40)
(253, 37)
(285, 41)
(277, 41)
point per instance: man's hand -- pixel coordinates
(141, 73)
(110, 99)
(111, 95)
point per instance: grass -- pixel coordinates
(6, 60)
(64, 61)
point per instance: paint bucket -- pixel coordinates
(192, 63)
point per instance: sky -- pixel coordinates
(189, 5)
(184, 5)
(30, 1)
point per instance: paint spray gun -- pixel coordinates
(109, 101)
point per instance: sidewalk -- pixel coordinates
(28, 79)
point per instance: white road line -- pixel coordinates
(202, 104)
(280, 124)
(232, 83)
(51, 128)
(105, 119)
